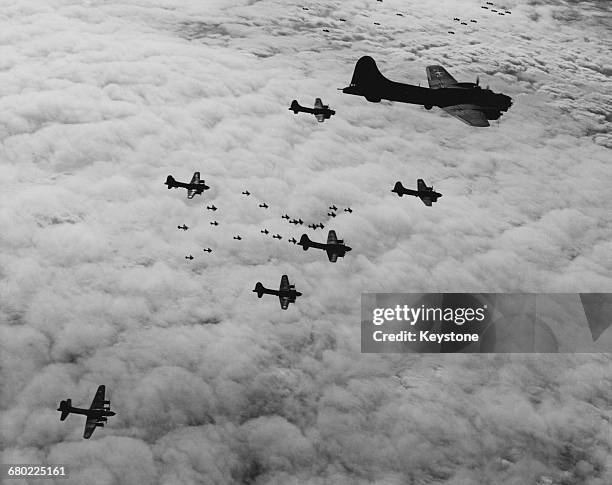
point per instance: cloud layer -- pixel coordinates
(100, 101)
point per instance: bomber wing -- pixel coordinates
(331, 237)
(469, 114)
(320, 117)
(426, 200)
(332, 255)
(90, 426)
(191, 193)
(421, 185)
(98, 400)
(439, 77)
(284, 284)
(318, 103)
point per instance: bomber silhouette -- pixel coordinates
(265, 231)
(214, 223)
(286, 292)
(195, 187)
(320, 111)
(190, 257)
(238, 238)
(465, 101)
(183, 227)
(96, 414)
(423, 192)
(211, 208)
(207, 250)
(263, 206)
(246, 192)
(277, 236)
(334, 247)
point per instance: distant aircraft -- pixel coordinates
(296, 221)
(211, 208)
(286, 292)
(466, 101)
(286, 216)
(342, 20)
(451, 32)
(325, 30)
(312, 226)
(423, 192)
(190, 257)
(474, 21)
(263, 206)
(320, 224)
(214, 223)
(195, 187)
(331, 214)
(334, 247)
(305, 8)
(348, 209)
(489, 3)
(333, 207)
(237, 238)
(463, 23)
(486, 8)
(277, 236)
(508, 11)
(265, 231)
(456, 19)
(207, 250)
(293, 240)
(376, 23)
(246, 192)
(399, 14)
(493, 10)
(320, 111)
(183, 227)
(501, 13)
(96, 414)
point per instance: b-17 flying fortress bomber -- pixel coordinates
(320, 111)
(97, 413)
(195, 187)
(465, 101)
(286, 292)
(423, 192)
(334, 247)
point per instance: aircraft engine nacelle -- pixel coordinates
(428, 107)
(101, 425)
(102, 419)
(373, 99)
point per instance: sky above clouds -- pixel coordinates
(101, 100)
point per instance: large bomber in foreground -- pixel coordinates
(466, 101)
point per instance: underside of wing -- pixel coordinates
(438, 77)
(320, 118)
(284, 302)
(191, 193)
(196, 178)
(468, 113)
(98, 400)
(318, 103)
(333, 257)
(426, 201)
(284, 284)
(90, 427)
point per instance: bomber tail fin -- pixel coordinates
(259, 289)
(295, 106)
(366, 79)
(64, 407)
(304, 242)
(170, 182)
(398, 188)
